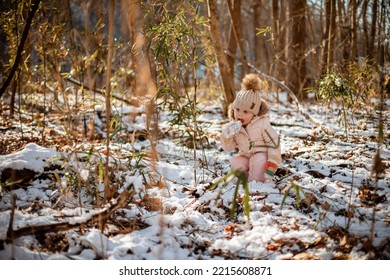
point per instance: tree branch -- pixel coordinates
(324, 128)
(34, 8)
(132, 102)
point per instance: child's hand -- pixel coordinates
(232, 129)
(270, 168)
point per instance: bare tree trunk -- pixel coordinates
(332, 34)
(381, 35)
(85, 7)
(344, 34)
(276, 34)
(297, 47)
(261, 49)
(107, 189)
(283, 39)
(139, 59)
(365, 28)
(143, 88)
(353, 28)
(34, 8)
(371, 50)
(235, 15)
(315, 65)
(257, 7)
(223, 64)
(328, 36)
(325, 36)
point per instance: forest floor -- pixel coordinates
(325, 203)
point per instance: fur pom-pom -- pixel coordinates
(251, 82)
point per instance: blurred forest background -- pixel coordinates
(73, 58)
(79, 76)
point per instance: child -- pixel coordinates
(251, 133)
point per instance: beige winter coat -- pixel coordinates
(258, 136)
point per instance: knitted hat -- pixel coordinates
(248, 98)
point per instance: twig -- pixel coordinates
(100, 91)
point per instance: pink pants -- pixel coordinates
(253, 166)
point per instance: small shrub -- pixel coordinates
(241, 180)
(333, 87)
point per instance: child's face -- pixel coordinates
(243, 116)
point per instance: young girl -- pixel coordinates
(250, 131)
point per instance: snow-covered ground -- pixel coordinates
(323, 204)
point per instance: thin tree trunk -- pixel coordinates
(261, 50)
(365, 28)
(315, 67)
(34, 8)
(297, 47)
(139, 58)
(276, 34)
(13, 96)
(344, 34)
(261, 42)
(257, 24)
(353, 28)
(143, 87)
(85, 7)
(107, 189)
(283, 33)
(325, 36)
(381, 35)
(371, 50)
(331, 35)
(224, 69)
(235, 15)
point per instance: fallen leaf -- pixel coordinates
(267, 208)
(305, 256)
(229, 229)
(325, 205)
(273, 247)
(294, 225)
(284, 228)
(161, 184)
(152, 203)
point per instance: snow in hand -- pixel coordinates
(323, 204)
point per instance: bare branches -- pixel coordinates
(34, 8)
(324, 128)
